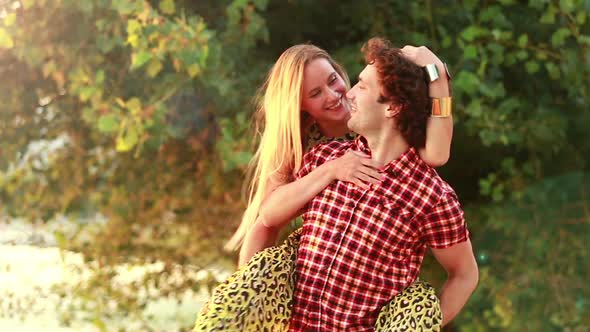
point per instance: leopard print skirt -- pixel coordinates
(259, 295)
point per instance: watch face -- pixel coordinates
(447, 71)
(431, 72)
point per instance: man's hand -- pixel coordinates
(422, 56)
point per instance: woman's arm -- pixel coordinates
(439, 134)
(257, 239)
(284, 201)
(439, 131)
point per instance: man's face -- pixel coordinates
(367, 114)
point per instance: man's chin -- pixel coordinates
(351, 126)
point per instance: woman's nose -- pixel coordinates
(334, 95)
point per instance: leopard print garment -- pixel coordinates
(315, 136)
(258, 298)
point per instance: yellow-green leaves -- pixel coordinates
(167, 7)
(154, 67)
(134, 105)
(194, 70)
(139, 59)
(108, 123)
(130, 126)
(128, 137)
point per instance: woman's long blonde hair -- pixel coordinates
(280, 119)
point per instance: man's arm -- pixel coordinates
(446, 234)
(462, 277)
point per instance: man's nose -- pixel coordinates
(350, 94)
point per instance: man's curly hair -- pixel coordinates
(402, 83)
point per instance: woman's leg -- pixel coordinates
(257, 297)
(415, 309)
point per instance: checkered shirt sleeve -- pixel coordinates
(445, 226)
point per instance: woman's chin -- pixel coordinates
(343, 114)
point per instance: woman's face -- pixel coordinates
(324, 93)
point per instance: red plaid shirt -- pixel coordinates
(359, 248)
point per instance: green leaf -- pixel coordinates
(127, 7)
(104, 43)
(167, 7)
(584, 40)
(522, 55)
(467, 81)
(134, 105)
(567, 6)
(553, 70)
(497, 193)
(87, 92)
(194, 70)
(473, 32)
(447, 41)
(128, 138)
(470, 4)
(133, 27)
(532, 66)
(549, 16)
(523, 40)
(88, 115)
(139, 59)
(154, 67)
(470, 52)
(474, 108)
(581, 18)
(5, 39)
(100, 76)
(559, 36)
(108, 123)
(490, 13)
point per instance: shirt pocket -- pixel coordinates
(398, 228)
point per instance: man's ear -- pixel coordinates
(392, 110)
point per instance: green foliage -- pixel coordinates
(152, 104)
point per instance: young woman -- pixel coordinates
(305, 103)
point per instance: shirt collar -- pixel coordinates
(403, 166)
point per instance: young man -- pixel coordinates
(362, 246)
